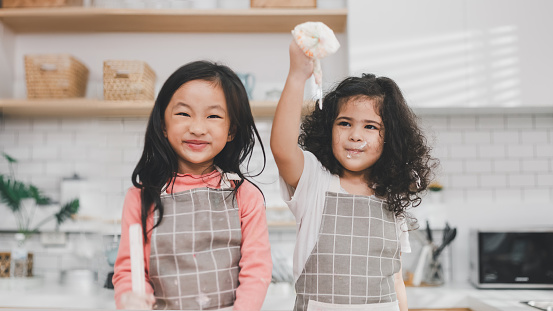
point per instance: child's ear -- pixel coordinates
(164, 129)
(231, 134)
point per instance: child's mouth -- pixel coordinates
(196, 145)
(353, 152)
(356, 150)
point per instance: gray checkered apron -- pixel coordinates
(354, 259)
(195, 250)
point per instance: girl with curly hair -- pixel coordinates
(361, 162)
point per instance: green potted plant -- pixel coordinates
(23, 199)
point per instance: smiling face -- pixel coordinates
(197, 125)
(357, 135)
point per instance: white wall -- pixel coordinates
(103, 152)
(6, 61)
(456, 53)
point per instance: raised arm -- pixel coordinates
(286, 124)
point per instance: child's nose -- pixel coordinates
(355, 135)
(198, 127)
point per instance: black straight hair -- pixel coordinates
(158, 166)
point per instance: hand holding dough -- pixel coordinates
(317, 41)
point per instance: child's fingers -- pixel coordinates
(299, 62)
(146, 301)
(134, 301)
(151, 299)
(294, 46)
(296, 51)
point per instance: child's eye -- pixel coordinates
(343, 123)
(184, 114)
(214, 116)
(371, 127)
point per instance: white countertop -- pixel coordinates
(46, 293)
(281, 296)
(39, 292)
(467, 296)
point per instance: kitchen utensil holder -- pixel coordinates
(434, 274)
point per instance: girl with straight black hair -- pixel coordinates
(203, 222)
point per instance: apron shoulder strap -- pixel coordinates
(227, 178)
(334, 184)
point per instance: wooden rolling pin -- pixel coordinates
(137, 259)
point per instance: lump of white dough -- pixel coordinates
(315, 39)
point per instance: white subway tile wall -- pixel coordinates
(481, 156)
(493, 158)
(103, 151)
(490, 159)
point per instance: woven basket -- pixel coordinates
(55, 76)
(39, 3)
(128, 80)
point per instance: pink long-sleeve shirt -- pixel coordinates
(255, 263)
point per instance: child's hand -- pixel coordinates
(134, 301)
(301, 66)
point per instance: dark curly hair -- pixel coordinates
(405, 167)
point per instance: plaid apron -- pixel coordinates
(354, 259)
(195, 250)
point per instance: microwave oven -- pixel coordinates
(511, 258)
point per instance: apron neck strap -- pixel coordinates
(226, 178)
(335, 184)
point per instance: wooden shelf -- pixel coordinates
(74, 107)
(82, 20)
(83, 107)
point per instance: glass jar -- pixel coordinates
(19, 255)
